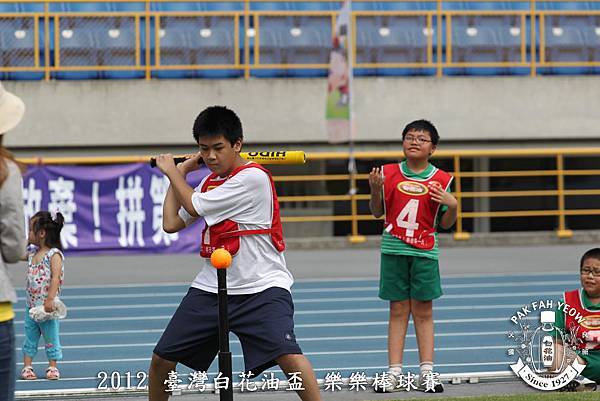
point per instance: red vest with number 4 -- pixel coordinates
(410, 212)
(227, 233)
(586, 331)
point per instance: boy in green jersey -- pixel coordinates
(414, 197)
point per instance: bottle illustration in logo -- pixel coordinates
(544, 338)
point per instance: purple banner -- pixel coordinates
(112, 209)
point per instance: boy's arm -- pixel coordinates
(449, 217)
(179, 193)
(443, 197)
(55, 269)
(376, 185)
(172, 223)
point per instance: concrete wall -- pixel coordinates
(137, 113)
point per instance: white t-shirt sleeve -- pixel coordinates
(236, 199)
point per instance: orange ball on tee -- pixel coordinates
(220, 258)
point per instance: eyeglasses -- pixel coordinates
(418, 139)
(587, 271)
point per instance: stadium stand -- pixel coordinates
(292, 38)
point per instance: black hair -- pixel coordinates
(425, 126)
(593, 253)
(218, 120)
(43, 220)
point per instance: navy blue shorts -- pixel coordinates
(263, 322)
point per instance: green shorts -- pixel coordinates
(409, 277)
(592, 367)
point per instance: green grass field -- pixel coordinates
(550, 396)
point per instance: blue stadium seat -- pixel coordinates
(315, 6)
(406, 5)
(563, 5)
(315, 23)
(476, 5)
(184, 24)
(365, 6)
(31, 7)
(591, 39)
(270, 6)
(213, 46)
(87, 7)
(510, 41)
(276, 22)
(270, 46)
(270, 52)
(305, 45)
(129, 7)
(9, 8)
(401, 45)
(476, 44)
(395, 46)
(365, 53)
(17, 46)
(487, 5)
(177, 6)
(175, 49)
(224, 6)
(77, 49)
(364, 47)
(565, 43)
(17, 49)
(116, 47)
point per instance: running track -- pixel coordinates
(341, 326)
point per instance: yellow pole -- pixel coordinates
(148, 41)
(439, 38)
(47, 42)
(542, 40)
(449, 39)
(157, 41)
(247, 39)
(533, 37)
(138, 42)
(429, 39)
(523, 39)
(36, 43)
(562, 232)
(355, 237)
(459, 235)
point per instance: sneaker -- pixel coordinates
(387, 383)
(580, 383)
(429, 382)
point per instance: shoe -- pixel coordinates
(52, 373)
(387, 383)
(429, 382)
(580, 383)
(27, 373)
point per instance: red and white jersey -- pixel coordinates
(587, 330)
(410, 212)
(227, 233)
(247, 201)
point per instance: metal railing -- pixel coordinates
(555, 189)
(134, 41)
